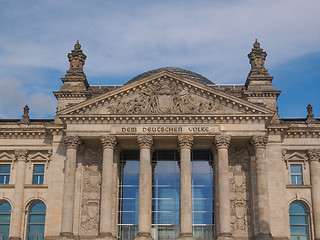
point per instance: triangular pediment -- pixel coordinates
(6, 157)
(296, 157)
(38, 156)
(165, 93)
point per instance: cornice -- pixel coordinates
(264, 94)
(72, 95)
(21, 133)
(166, 119)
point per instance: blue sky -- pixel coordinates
(125, 38)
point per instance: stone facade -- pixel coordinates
(168, 108)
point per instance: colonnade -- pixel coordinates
(145, 187)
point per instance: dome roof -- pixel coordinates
(184, 73)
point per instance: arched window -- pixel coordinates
(36, 221)
(5, 214)
(299, 227)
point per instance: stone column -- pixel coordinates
(259, 143)
(115, 189)
(72, 143)
(145, 188)
(17, 213)
(222, 143)
(108, 144)
(185, 145)
(314, 158)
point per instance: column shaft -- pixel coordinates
(72, 143)
(314, 157)
(222, 143)
(108, 144)
(260, 143)
(115, 191)
(185, 144)
(145, 188)
(16, 220)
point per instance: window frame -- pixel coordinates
(307, 218)
(38, 175)
(5, 174)
(296, 175)
(28, 213)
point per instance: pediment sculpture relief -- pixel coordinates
(166, 97)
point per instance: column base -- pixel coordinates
(105, 236)
(225, 236)
(14, 238)
(143, 236)
(186, 236)
(264, 236)
(67, 235)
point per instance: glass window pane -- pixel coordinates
(296, 168)
(130, 204)
(202, 192)
(202, 205)
(5, 168)
(131, 179)
(36, 229)
(202, 217)
(130, 192)
(37, 218)
(5, 207)
(297, 208)
(38, 207)
(298, 230)
(38, 168)
(5, 218)
(202, 179)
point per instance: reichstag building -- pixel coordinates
(168, 155)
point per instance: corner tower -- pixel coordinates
(75, 85)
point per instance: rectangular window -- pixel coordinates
(4, 173)
(38, 174)
(296, 174)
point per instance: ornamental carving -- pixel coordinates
(72, 141)
(145, 141)
(108, 141)
(91, 182)
(240, 186)
(185, 141)
(166, 96)
(21, 155)
(314, 155)
(222, 141)
(259, 141)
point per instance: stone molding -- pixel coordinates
(145, 141)
(108, 142)
(21, 155)
(167, 119)
(72, 141)
(259, 141)
(314, 155)
(222, 141)
(185, 141)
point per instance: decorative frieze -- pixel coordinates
(72, 141)
(239, 192)
(108, 142)
(314, 154)
(185, 141)
(91, 181)
(145, 141)
(259, 141)
(222, 141)
(21, 155)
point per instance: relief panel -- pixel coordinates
(91, 182)
(240, 192)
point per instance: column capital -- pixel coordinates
(72, 141)
(222, 141)
(185, 141)
(108, 142)
(314, 154)
(259, 141)
(21, 154)
(145, 141)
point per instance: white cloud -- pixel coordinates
(133, 36)
(13, 98)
